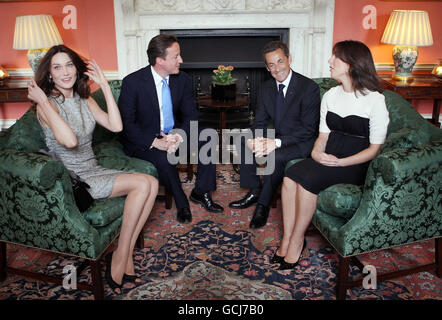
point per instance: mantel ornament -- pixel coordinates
(216, 6)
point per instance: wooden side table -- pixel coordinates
(423, 87)
(12, 92)
(223, 107)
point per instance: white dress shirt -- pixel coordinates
(159, 86)
(286, 83)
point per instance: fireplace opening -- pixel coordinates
(205, 49)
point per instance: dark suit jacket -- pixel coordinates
(300, 115)
(140, 111)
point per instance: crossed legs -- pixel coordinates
(296, 217)
(141, 191)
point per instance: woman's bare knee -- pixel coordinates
(153, 184)
(289, 184)
(146, 184)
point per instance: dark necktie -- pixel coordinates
(278, 106)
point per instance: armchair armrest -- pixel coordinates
(31, 168)
(111, 155)
(400, 164)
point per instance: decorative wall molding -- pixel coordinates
(310, 24)
(22, 75)
(217, 6)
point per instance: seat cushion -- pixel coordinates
(104, 211)
(340, 200)
(26, 134)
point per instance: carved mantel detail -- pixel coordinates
(216, 6)
(310, 25)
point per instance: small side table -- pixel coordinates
(423, 87)
(12, 92)
(223, 107)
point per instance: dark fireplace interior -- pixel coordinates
(203, 50)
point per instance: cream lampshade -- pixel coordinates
(35, 33)
(407, 29)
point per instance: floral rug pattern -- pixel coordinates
(218, 257)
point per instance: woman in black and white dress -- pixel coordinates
(353, 127)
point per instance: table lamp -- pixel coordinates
(407, 29)
(35, 33)
(3, 75)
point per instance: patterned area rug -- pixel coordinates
(218, 257)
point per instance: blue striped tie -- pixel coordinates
(167, 108)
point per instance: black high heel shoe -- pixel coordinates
(132, 278)
(108, 276)
(276, 259)
(286, 265)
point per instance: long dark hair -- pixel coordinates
(43, 72)
(158, 46)
(362, 70)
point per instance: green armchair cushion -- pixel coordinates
(406, 164)
(26, 134)
(100, 133)
(35, 169)
(110, 154)
(325, 84)
(340, 200)
(104, 211)
(405, 138)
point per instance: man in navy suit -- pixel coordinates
(292, 102)
(154, 100)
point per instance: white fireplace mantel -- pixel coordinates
(310, 24)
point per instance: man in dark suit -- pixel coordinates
(292, 102)
(153, 101)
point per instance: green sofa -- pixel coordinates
(401, 200)
(37, 208)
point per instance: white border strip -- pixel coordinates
(6, 123)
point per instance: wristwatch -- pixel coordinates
(278, 143)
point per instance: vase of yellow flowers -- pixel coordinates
(223, 84)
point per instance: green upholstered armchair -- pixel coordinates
(37, 207)
(400, 202)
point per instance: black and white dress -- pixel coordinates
(353, 121)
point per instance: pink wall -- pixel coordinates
(95, 36)
(348, 25)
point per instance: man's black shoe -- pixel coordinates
(184, 215)
(260, 216)
(206, 201)
(250, 199)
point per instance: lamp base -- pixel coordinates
(404, 58)
(35, 56)
(403, 78)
